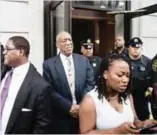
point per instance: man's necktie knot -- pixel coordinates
(68, 61)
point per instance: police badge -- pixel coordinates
(142, 68)
(88, 41)
(136, 40)
(94, 64)
(154, 66)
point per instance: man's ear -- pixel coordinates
(22, 52)
(57, 45)
(105, 74)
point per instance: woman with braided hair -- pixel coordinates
(109, 109)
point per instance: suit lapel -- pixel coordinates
(76, 66)
(21, 98)
(4, 70)
(61, 72)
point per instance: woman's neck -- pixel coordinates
(113, 95)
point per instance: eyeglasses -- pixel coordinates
(88, 48)
(9, 49)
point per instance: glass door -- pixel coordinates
(57, 18)
(60, 20)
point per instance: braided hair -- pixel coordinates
(102, 87)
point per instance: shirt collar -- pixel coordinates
(20, 69)
(62, 56)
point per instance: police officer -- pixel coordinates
(141, 77)
(87, 50)
(119, 46)
(154, 82)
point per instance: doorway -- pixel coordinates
(81, 24)
(96, 26)
(81, 30)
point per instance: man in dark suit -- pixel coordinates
(72, 77)
(25, 95)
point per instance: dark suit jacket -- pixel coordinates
(4, 69)
(53, 72)
(34, 95)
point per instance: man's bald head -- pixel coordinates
(64, 43)
(61, 34)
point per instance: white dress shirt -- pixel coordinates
(64, 62)
(18, 77)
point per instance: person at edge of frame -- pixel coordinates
(154, 84)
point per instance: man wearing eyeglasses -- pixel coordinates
(87, 49)
(25, 102)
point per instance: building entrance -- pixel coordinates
(81, 30)
(81, 23)
(96, 26)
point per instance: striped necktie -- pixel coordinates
(69, 68)
(71, 78)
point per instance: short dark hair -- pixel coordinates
(106, 62)
(21, 43)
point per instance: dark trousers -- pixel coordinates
(141, 108)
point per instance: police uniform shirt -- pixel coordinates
(141, 72)
(95, 62)
(141, 68)
(154, 69)
(141, 80)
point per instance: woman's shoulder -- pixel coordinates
(93, 93)
(88, 102)
(95, 96)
